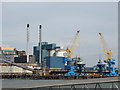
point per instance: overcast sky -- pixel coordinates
(60, 22)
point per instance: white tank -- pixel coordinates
(51, 52)
(61, 53)
(79, 62)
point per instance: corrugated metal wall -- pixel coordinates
(55, 62)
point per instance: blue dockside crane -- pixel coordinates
(111, 63)
(101, 67)
(109, 59)
(69, 61)
(69, 64)
(80, 66)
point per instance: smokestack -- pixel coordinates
(27, 44)
(27, 25)
(40, 26)
(40, 38)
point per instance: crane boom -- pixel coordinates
(74, 44)
(108, 54)
(71, 52)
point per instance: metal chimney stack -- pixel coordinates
(27, 44)
(40, 38)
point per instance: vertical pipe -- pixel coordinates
(27, 44)
(40, 38)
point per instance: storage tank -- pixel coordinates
(61, 53)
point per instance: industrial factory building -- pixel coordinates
(51, 55)
(11, 54)
(7, 50)
(8, 53)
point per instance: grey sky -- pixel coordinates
(60, 21)
(0, 23)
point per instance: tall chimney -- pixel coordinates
(27, 44)
(40, 38)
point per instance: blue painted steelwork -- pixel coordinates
(69, 64)
(110, 67)
(81, 68)
(71, 72)
(101, 67)
(110, 63)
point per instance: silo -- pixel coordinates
(61, 53)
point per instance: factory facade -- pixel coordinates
(15, 56)
(46, 50)
(51, 55)
(8, 53)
